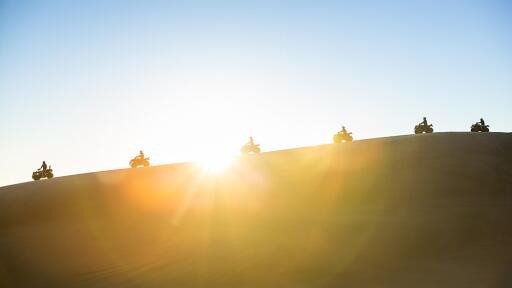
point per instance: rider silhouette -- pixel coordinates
(141, 155)
(424, 122)
(251, 141)
(482, 122)
(343, 130)
(43, 166)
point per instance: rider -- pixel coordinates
(424, 122)
(482, 122)
(141, 155)
(343, 130)
(251, 141)
(43, 166)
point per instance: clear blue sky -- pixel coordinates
(85, 84)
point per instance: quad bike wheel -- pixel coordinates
(136, 163)
(250, 150)
(420, 130)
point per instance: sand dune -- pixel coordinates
(408, 211)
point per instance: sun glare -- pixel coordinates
(215, 164)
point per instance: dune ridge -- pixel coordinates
(406, 211)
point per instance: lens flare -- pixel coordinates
(215, 164)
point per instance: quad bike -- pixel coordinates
(342, 137)
(48, 173)
(420, 129)
(137, 161)
(250, 149)
(478, 127)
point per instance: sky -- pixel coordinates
(84, 85)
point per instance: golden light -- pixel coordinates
(215, 164)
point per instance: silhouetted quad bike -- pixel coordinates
(251, 149)
(342, 137)
(420, 129)
(48, 173)
(478, 127)
(136, 162)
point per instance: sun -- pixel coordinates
(215, 164)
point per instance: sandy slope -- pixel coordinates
(373, 213)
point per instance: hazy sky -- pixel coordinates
(85, 84)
